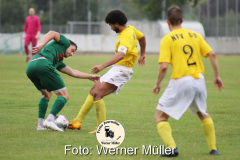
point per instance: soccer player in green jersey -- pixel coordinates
(183, 49)
(41, 70)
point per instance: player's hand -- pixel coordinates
(97, 69)
(23, 35)
(142, 61)
(218, 83)
(94, 78)
(37, 37)
(156, 89)
(37, 49)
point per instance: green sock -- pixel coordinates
(58, 105)
(42, 107)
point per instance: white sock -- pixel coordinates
(50, 117)
(40, 122)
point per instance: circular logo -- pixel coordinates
(110, 134)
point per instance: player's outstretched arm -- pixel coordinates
(51, 35)
(141, 60)
(217, 80)
(161, 74)
(117, 57)
(77, 74)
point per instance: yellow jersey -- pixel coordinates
(127, 39)
(182, 49)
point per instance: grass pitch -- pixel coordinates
(134, 108)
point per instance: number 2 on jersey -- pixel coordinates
(188, 49)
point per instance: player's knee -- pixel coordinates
(66, 97)
(91, 92)
(46, 94)
(202, 116)
(160, 116)
(156, 118)
(64, 94)
(97, 96)
(93, 89)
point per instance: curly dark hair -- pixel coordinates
(116, 16)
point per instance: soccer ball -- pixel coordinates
(61, 121)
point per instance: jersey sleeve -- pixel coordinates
(138, 34)
(165, 52)
(60, 65)
(64, 41)
(38, 25)
(25, 26)
(204, 47)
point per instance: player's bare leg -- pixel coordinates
(209, 131)
(160, 116)
(103, 89)
(96, 85)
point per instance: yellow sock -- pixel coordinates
(86, 107)
(209, 131)
(165, 131)
(100, 111)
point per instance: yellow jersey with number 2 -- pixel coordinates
(182, 49)
(127, 42)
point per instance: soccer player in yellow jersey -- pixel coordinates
(112, 82)
(182, 49)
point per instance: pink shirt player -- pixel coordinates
(31, 30)
(32, 26)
